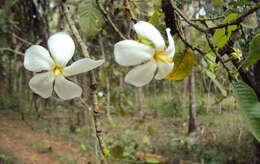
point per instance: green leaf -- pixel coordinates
(118, 151)
(183, 64)
(217, 2)
(249, 106)
(242, 3)
(230, 17)
(221, 36)
(83, 147)
(106, 152)
(90, 18)
(151, 160)
(212, 76)
(154, 18)
(254, 52)
(121, 111)
(150, 131)
(250, 21)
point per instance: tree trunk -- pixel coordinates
(191, 79)
(184, 95)
(140, 100)
(192, 109)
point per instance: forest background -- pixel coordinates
(206, 111)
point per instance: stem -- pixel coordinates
(93, 86)
(211, 45)
(109, 21)
(236, 21)
(11, 50)
(179, 12)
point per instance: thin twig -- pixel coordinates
(236, 21)
(23, 40)
(209, 30)
(109, 21)
(128, 7)
(11, 50)
(208, 19)
(93, 85)
(186, 19)
(211, 45)
(189, 45)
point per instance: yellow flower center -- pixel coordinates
(159, 55)
(57, 70)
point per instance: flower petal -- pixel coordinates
(130, 52)
(82, 65)
(148, 31)
(66, 89)
(61, 47)
(163, 69)
(37, 59)
(42, 84)
(171, 48)
(141, 75)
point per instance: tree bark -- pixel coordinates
(140, 100)
(184, 95)
(192, 108)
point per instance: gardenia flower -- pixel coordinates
(38, 59)
(130, 52)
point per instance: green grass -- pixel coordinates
(5, 156)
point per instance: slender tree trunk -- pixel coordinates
(1, 75)
(140, 100)
(191, 79)
(107, 81)
(184, 95)
(121, 82)
(10, 77)
(192, 109)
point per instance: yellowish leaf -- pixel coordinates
(106, 152)
(183, 63)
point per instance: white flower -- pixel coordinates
(100, 94)
(130, 52)
(38, 59)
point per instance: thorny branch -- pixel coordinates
(93, 86)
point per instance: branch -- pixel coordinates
(171, 21)
(109, 21)
(208, 19)
(189, 45)
(211, 45)
(93, 86)
(11, 50)
(130, 11)
(21, 39)
(236, 21)
(179, 12)
(209, 30)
